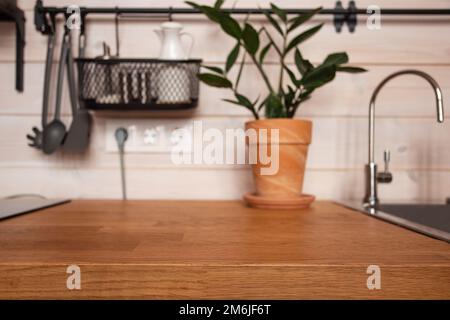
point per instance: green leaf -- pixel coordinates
(319, 76)
(306, 95)
(350, 69)
(262, 104)
(274, 107)
(230, 26)
(193, 5)
(336, 58)
(241, 101)
(289, 97)
(302, 37)
(279, 12)
(264, 52)
(231, 101)
(214, 69)
(256, 101)
(291, 76)
(251, 39)
(303, 66)
(212, 13)
(218, 4)
(244, 101)
(274, 45)
(232, 57)
(302, 18)
(274, 23)
(214, 80)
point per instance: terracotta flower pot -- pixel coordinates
(293, 142)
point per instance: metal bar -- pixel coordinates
(131, 10)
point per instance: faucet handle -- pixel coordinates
(387, 159)
(385, 176)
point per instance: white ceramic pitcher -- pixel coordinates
(173, 82)
(171, 45)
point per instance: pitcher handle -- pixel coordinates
(192, 42)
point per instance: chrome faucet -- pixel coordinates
(372, 176)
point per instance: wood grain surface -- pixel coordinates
(215, 249)
(405, 109)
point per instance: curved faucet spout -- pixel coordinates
(431, 81)
(372, 176)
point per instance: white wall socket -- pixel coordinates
(150, 135)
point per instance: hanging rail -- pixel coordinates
(341, 15)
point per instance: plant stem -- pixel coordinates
(263, 74)
(282, 56)
(241, 67)
(296, 103)
(252, 110)
(273, 42)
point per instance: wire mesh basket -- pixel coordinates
(138, 84)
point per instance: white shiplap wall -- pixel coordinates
(420, 148)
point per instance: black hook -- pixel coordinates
(339, 16)
(170, 13)
(66, 27)
(116, 31)
(41, 19)
(52, 23)
(351, 16)
(82, 22)
(345, 16)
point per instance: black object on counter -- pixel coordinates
(14, 206)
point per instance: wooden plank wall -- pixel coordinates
(406, 113)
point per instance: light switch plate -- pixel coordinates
(162, 135)
(150, 135)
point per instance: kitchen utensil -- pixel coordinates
(104, 79)
(136, 84)
(9, 11)
(83, 114)
(77, 138)
(143, 88)
(130, 84)
(167, 76)
(123, 87)
(133, 86)
(171, 45)
(172, 49)
(121, 135)
(36, 141)
(55, 132)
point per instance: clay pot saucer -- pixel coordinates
(300, 202)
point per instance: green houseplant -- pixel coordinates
(283, 96)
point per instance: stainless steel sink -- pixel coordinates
(429, 219)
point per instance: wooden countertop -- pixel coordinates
(215, 249)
